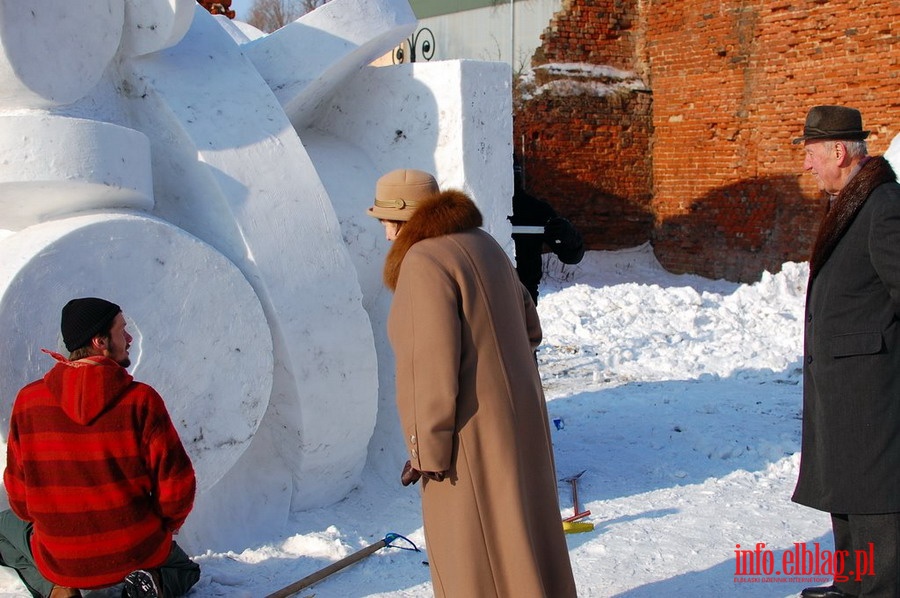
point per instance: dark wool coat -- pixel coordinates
(850, 461)
(94, 462)
(470, 402)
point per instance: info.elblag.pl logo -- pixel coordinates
(801, 564)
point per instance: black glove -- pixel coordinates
(559, 231)
(564, 240)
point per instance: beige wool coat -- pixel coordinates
(470, 402)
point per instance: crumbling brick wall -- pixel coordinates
(583, 136)
(722, 193)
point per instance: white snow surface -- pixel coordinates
(680, 398)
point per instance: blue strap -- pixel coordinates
(391, 536)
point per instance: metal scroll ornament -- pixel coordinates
(420, 44)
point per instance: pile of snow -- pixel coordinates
(576, 78)
(660, 326)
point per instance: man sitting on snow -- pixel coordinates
(97, 478)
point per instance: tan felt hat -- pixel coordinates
(399, 193)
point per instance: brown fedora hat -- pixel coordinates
(399, 193)
(833, 122)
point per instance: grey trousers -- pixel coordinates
(178, 574)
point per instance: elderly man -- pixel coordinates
(850, 465)
(97, 478)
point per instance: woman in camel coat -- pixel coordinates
(469, 396)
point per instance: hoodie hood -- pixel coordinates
(87, 387)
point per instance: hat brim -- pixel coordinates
(390, 213)
(854, 136)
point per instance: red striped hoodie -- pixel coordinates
(94, 462)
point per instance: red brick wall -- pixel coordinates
(584, 150)
(595, 32)
(731, 82)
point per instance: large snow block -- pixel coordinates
(151, 25)
(450, 118)
(55, 165)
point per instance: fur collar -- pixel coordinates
(840, 215)
(445, 213)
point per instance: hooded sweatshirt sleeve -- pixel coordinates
(174, 482)
(14, 476)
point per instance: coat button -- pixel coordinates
(412, 439)
(809, 359)
(809, 317)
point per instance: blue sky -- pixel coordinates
(242, 8)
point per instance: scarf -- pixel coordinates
(847, 204)
(443, 214)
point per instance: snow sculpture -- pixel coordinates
(78, 205)
(163, 169)
(892, 154)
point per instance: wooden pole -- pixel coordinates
(330, 569)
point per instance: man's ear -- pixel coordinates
(100, 343)
(841, 154)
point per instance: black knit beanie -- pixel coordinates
(84, 318)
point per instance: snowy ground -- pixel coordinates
(679, 397)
